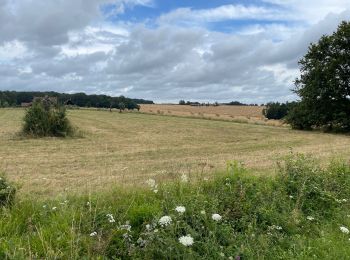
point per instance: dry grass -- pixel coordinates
(244, 114)
(129, 148)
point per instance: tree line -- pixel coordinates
(16, 98)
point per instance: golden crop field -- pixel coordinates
(128, 148)
(247, 114)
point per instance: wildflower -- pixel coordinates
(291, 197)
(110, 218)
(88, 203)
(148, 227)
(141, 242)
(155, 191)
(44, 206)
(216, 217)
(344, 230)
(310, 218)
(186, 240)
(93, 234)
(206, 179)
(184, 178)
(165, 221)
(222, 254)
(126, 227)
(180, 209)
(54, 208)
(152, 183)
(276, 227)
(203, 212)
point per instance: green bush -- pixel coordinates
(7, 192)
(45, 118)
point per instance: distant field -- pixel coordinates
(248, 114)
(128, 148)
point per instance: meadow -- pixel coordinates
(134, 185)
(129, 148)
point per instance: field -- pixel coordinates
(129, 148)
(242, 114)
(151, 186)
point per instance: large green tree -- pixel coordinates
(324, 84)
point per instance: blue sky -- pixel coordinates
(220, 50)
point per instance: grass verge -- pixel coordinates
(301, 213)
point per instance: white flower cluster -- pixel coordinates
(110, 218)
(165, 221)
(180, 209)
(186, 240)
(216, 217)
(345, 230)
(152, 183)
(310, 218)
(93, 234)
(276, 227)
(184, 178)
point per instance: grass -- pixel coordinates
(262, 218)
(129, 148)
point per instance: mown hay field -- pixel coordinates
(128, 148)
(243, 114)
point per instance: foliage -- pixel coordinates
(294, 215)
(7, 192)
(44, 118)
(13, 98)
(276, 110)
(324, 84)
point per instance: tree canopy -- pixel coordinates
(324, 84)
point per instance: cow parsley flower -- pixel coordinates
(110, 218)
(186, 240)
(54, 208)
(344, 230)
(203, 212)
(165, 221)
(93, 234)
(180, 209)
(184, 178)
(310, 218)
(216, 217)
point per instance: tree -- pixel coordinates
(182, 102)
(324, 84)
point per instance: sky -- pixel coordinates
(163, 50)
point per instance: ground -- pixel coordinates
(129, 148)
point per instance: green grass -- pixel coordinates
(262, 218)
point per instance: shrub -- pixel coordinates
(44, 118)
(7, 192)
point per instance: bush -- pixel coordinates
(278, 110)
(7, 192)
(44, 118)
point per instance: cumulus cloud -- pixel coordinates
(71, 47)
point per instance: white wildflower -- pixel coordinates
(222, 254)
(148, 227)
(93, 234)
(54, 208)
(310, 218)
(180, 209)
(206, 178)
(44, 206)
(276, 227)
(186, 240)
(203, 212)
(165, 221)
(88, 203)
(216, 217)
(291, 197)
(155, 191)
(344, 230)
(184, 178)
(152, 183)
(126, 227)
(110, 218)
